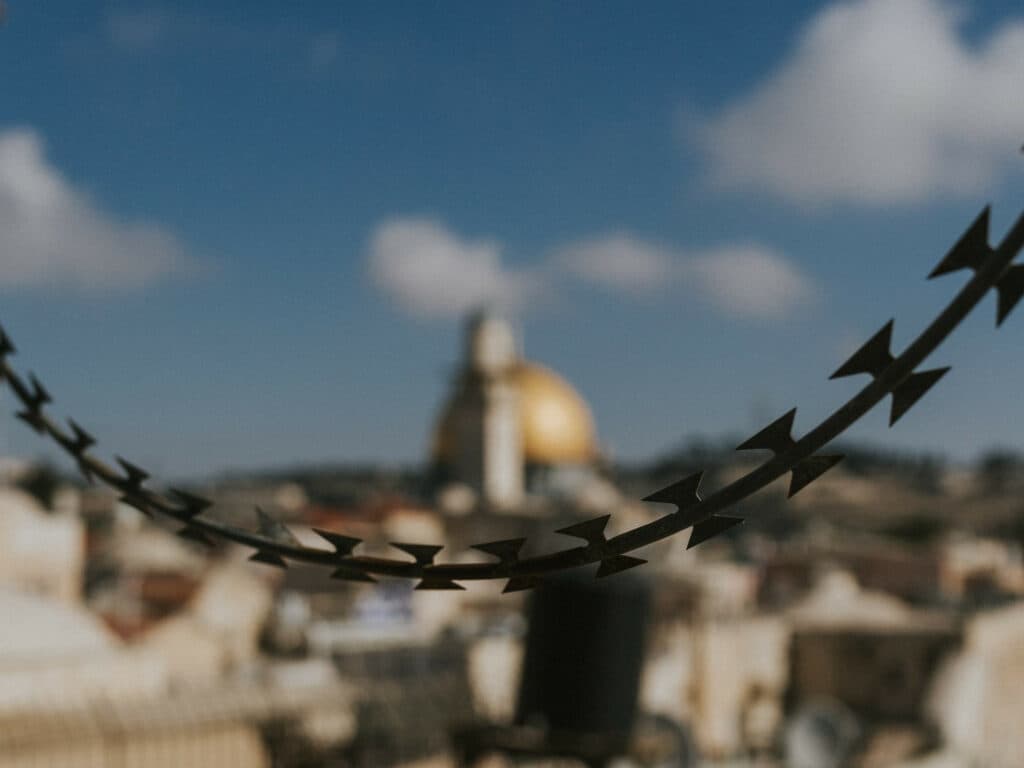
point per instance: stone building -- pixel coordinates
(850, 644)
(41, 551)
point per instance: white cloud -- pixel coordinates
(743, 280)
(137, 30)
(53, 235)
(749, 281)
(430, 271)
(881, 101)
(618, 261)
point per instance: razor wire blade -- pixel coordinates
(891, 375)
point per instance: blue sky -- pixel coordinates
(244, 234)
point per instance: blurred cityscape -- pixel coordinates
(873, 620)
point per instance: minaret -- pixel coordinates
(489, 454)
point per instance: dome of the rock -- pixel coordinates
(555, 423)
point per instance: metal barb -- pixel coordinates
(6, 345)
(343, 545)
(35, 419)
(506, 551)
(438, 584)
(521, 584)
(873, 358)
(423, 554)
(710, 528)
(591, 531)
(970, 251)
(683, 494)
(39, 396)
(268, 558)
(274, 529)
(192, 505)
(809, 470)
(83, 441)
(33, 401)
(1010, 289)
(80, 442)
(139, 502)
(134, 476)
(912, 389)
(777, 437)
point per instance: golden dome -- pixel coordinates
(556, 424)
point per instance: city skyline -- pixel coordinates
(237, 236)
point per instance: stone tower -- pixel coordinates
(488, 446)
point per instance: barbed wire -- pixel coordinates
(275, 544)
